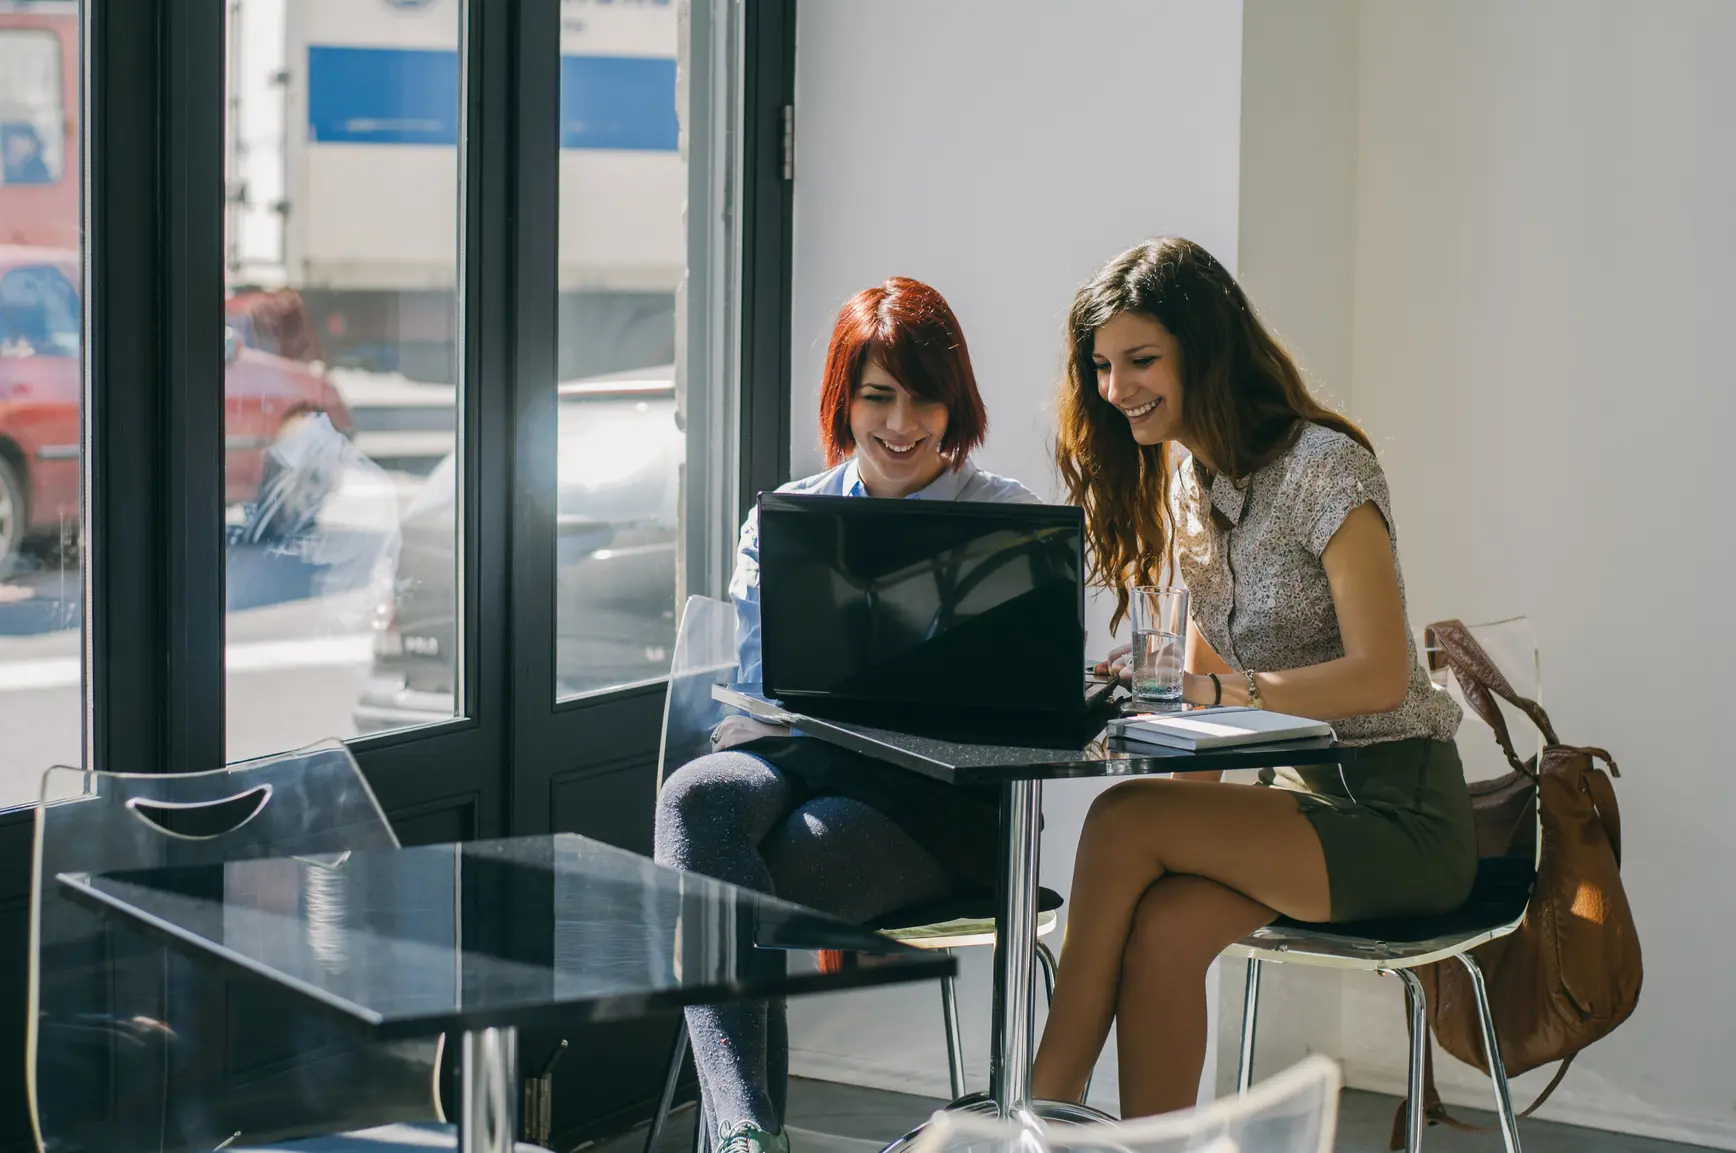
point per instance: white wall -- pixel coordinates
(1542, 251)
(1000, 150)
(1297, 221)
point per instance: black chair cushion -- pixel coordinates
(971, 907)
(1498, 897)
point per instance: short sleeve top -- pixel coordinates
(1258, 591)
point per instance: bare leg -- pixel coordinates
(1248, 839)
(1180, 925)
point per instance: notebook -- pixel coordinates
(1219, 728)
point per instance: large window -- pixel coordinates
(369, 368)
(342, 246)
(41, 400)
(623, 252)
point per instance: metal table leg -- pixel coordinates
(1012, 1038)
(1012, 1043)
(488, 1091)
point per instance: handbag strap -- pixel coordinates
(1482, 680)
(1603, 799)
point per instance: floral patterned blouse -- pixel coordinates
(1258, 592)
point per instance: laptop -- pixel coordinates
(948, 618)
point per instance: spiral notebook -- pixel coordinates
(1219, 728)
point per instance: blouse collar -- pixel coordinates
(1226, 496)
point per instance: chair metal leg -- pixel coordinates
(954, 1038)
(677, 1057)
(701, 1127)
(1416, 1000)
(1046, 958)
(1492, 1051)
(1250, 1017)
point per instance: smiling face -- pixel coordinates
(897, 435)
(1139, 372)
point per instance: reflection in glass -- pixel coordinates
(622, 257)
(524, 924)
(342, 236)
(33, 105)
(41, 391)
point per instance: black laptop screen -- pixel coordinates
(930, 603)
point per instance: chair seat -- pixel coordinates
(1496, 904)
(959, 921)
(401, 1138)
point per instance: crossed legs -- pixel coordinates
(1168, 874)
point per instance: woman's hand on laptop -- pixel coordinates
(739, 730)
(1117, 664)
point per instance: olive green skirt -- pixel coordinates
(1395, 826)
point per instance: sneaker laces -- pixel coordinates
(748, 1138)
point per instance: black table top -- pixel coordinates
(936, 754)
(530, 930)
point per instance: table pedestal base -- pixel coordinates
(1062, 1112)
(488, 1091)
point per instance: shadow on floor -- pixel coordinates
(826, 1117)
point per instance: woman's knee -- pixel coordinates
(720, 786)
(1122, 813)
(1182, 923)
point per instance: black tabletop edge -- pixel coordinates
(1132, 759)
(904, 965)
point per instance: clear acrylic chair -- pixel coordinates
(133, 1046)
(705, 655)
(1398, 946)
(1294, 1112)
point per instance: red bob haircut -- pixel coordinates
(908, 329)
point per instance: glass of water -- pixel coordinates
(1159, 641)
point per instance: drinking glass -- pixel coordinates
(1159, 641)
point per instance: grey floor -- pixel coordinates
(826, 1117)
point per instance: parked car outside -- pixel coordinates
(617, 521)
(41, 384)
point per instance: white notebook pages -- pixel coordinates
(1219, 728)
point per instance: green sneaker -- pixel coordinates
(743, 1137)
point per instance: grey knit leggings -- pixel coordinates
(732, 816)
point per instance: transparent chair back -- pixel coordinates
(1512, 645)
(133, 1046)
(1294, 1112)
(704, 656)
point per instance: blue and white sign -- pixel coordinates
(410, 96)
(381, 96)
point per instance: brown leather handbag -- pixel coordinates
(1571, 972)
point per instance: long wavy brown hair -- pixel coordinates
(1243, 403)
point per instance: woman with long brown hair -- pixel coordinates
(1279, 521)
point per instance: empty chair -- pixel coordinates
(133, 1046)
(1294, 1112)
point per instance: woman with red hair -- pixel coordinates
(812, 823)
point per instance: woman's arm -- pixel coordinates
(1374, 673)
(744, 593)
(1201, 660)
